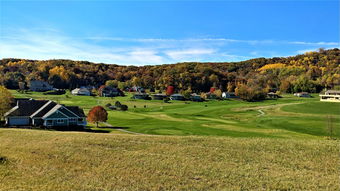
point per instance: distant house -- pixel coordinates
(178, 97)
(159, 96)
(331, 96)
(108, 91)
(211, 95)
(195, 97)
(81, 91)
(144, 96)
(39, 86)
(137, 89)
(302, 94)
(273, 95)
(44, 113)
(228, 95)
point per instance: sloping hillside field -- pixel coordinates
(282, 144)
(47, 160)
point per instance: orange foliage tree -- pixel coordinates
(97, 114)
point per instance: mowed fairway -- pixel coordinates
(52, 160)
(288, 117)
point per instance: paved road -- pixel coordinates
(261, 112)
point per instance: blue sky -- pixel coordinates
(161, 32)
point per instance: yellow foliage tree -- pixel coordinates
(60, 71)
(6, 100)
(272, 66)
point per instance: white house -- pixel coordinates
(331, 96)
(81, 91)
(229, 95)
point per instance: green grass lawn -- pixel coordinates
(51, 160)
(289, 117)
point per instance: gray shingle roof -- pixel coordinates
(27, 107)
(44, 109)
(76, 110)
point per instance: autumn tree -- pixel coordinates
(112, 83)
(6, 100)
(97, 114)
(170, 90)
(248, 93)
(218, 93)
(231, 87)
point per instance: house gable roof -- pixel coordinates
(67, 111)
(26, 107)
(76, 110)
(44, 109)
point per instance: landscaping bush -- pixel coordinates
(108, 105)
(166, 100)
(124, 107)
(118, 104)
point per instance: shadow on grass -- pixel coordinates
(3, 160)
(81, 129)
(114, 127)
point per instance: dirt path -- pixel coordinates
(123, 130)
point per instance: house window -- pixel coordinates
(73, 120)
(60, 121)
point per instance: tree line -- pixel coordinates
(311, 72)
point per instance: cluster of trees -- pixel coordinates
(310, 72)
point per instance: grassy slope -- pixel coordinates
(47, 160)
(289, 117)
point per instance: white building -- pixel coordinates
(81, 91)
(331, 96)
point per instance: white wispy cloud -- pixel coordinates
(53, 44)
(316, 43)
(227, 40)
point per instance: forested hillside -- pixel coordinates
(311, 72)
